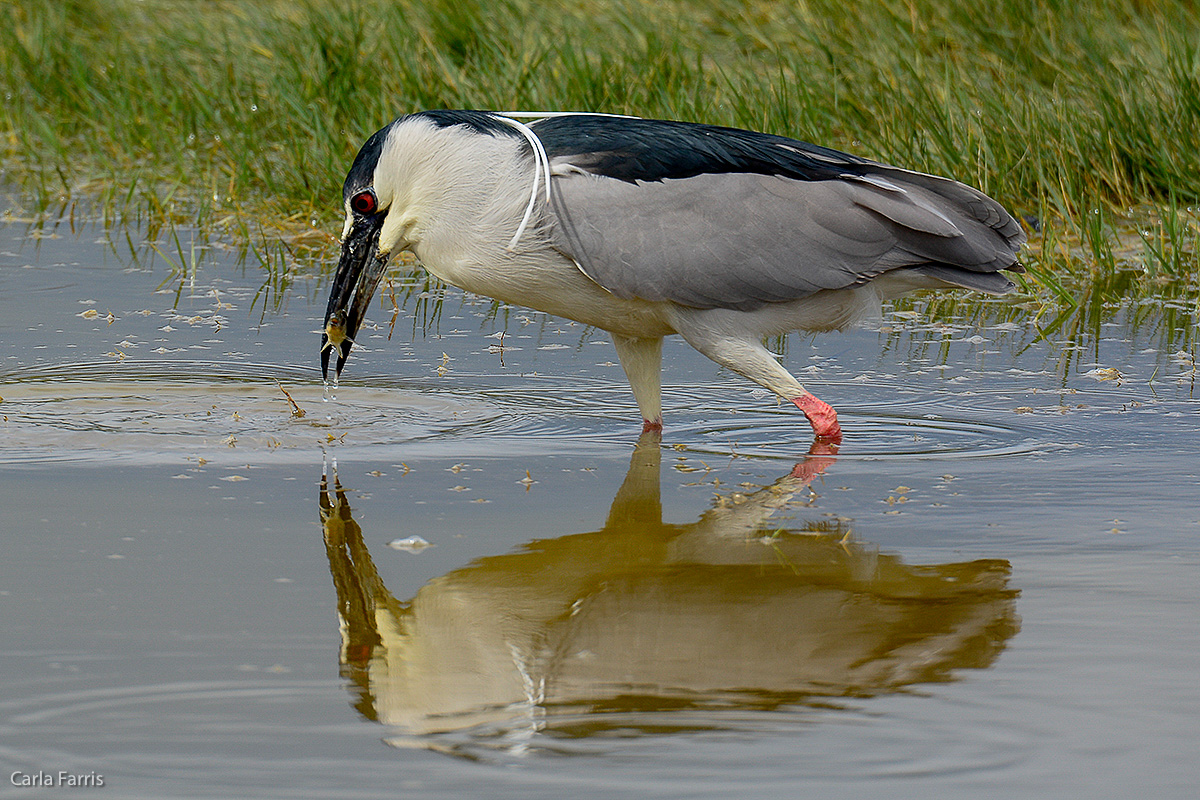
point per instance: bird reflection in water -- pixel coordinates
(651, 626)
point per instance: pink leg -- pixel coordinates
(821, 416)
(652, 426)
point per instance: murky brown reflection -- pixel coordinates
(642, 616)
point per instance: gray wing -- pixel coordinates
(740, 240)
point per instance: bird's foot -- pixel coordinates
(821, 416)
(652, 426)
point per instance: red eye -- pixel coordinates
(364, 202)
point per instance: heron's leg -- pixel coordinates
(642, 361)
(821, 416)
(750, 359)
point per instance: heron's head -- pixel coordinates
(447, 169)
(368, 239)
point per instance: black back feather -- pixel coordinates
(632, 149)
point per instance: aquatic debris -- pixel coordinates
(410, 544)
(297, 411)
(92, 313)
(1105, 374)
(391, 295)
(217, 296)
(527, 480)
(501, 347)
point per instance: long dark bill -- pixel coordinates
(358, 274)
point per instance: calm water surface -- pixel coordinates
(466, 576)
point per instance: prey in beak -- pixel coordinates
(358, 274)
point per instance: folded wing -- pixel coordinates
(738, 234)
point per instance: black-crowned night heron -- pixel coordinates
(647, 228)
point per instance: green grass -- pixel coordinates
(242, 115)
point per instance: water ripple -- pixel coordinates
(869, 434)
(167, 411)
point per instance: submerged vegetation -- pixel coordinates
(243, 115)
